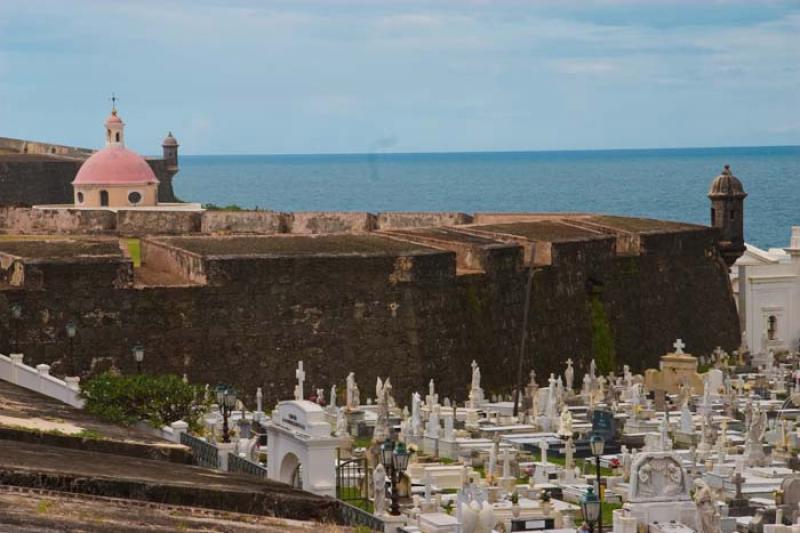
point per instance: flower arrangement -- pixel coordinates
(515, 497)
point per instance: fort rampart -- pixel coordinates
(409, 295)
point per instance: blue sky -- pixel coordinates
(303, 76)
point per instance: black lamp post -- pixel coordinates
(72, 330)
(597, 444)
(16, 314)
(590, 506)
(138, 355)
(226, 401)
(395, 460)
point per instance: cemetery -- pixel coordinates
(706, 444)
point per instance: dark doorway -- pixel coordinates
(104, 198)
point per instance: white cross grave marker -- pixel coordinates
(301, 377)
(679, 345)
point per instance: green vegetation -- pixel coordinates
(603, 348)
(607, 509)
(580, 463)
(43, 506)
(215, 207)
(135, 251)
(159, 399)
(362, 442)
(352, 495)
(92, 434)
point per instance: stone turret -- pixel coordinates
(727, 214)
(170, 147)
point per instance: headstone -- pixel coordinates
(659, 489)
(660, 398)
(603, 424)
(687, 426)
(716, 381)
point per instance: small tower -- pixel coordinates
(115, 129)
(170, 147)
(727, 214)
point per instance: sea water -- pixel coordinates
(669, 184)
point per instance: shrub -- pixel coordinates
(158, 399)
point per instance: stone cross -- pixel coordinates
(507, 454)
(738, 480)
(679, 345)
(301, 377)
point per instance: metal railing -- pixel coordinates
(245, 466)
(353, 516)
(204, 453)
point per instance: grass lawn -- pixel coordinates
(135, 249)
(579, 463)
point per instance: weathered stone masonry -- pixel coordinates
(411, 303)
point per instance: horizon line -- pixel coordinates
(463, 152)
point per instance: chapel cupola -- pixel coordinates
(115, 176)
(727, 214)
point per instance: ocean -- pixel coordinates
(667, 184)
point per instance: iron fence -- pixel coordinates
(245, 466)
(204, 453)
(353, 516)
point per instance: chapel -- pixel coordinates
(115, 176)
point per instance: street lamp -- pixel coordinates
(16, 314)
(72, 330)
(395, 460)
(597, 444)
(226, 401)
(138, 355)
(590, 507)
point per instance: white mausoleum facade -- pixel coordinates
(767, 288)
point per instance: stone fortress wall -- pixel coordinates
(240, 297)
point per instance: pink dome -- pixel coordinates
(115, 165)
(113, 118)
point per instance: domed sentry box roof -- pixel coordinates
(115, 165)
(726, 185)
(169, 140)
